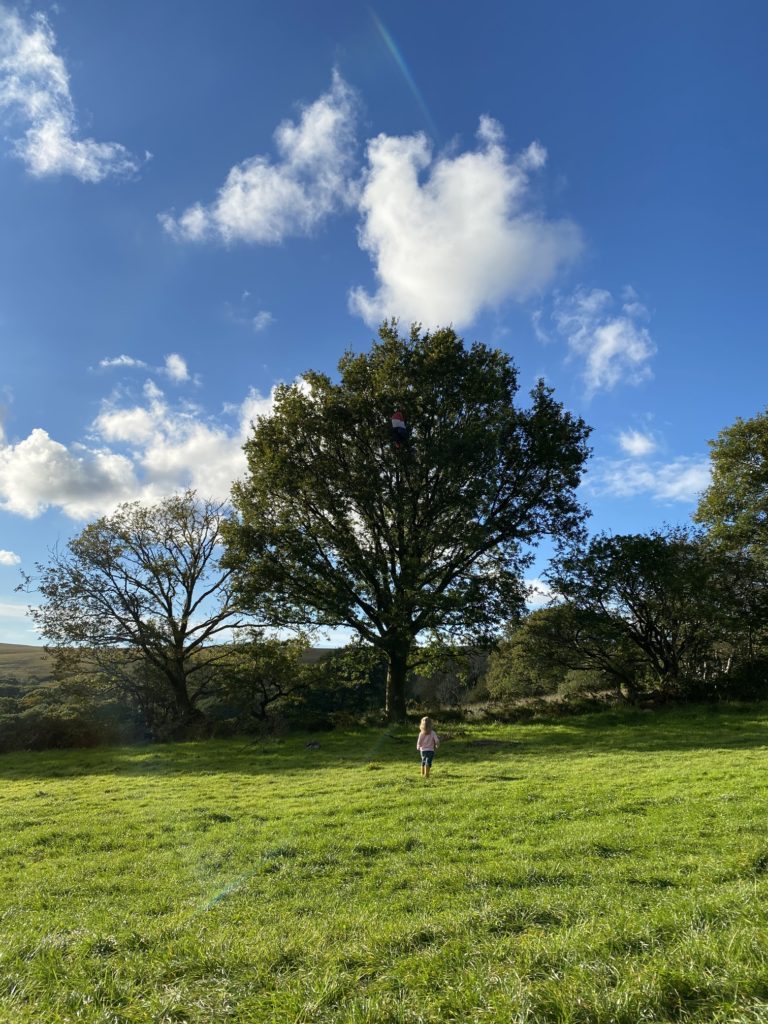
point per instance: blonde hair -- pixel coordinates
(426, 724)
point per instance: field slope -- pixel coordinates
(24, 664)
(607, 869)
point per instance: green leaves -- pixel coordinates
(338, 526)
(734, 508)
(146, 581)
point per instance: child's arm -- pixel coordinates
(437, 739)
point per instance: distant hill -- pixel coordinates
(31, 666)
(24, 664)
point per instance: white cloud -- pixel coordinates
(138, 452)
(465, 238)
(176, 367)
(615, 347)
(683, 479)
(34, 85)
(179, 447)
(135, 425)
(265, 202)
(39, 472)
(636, 443)
(9, 558)
(262, 320)
(121, 362)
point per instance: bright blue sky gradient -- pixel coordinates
(589, 194)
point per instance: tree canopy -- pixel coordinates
(539, 652)
(734, 508)
(338, 525)
(141, 592)
(658, 594)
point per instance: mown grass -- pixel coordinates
(606, 869)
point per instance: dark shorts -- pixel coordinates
(426, 757)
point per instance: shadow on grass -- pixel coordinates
(715, 727)
(697, 727)
(295, 754)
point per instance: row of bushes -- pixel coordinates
(267, 685)
(282, 689)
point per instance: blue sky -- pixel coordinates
(201, 201)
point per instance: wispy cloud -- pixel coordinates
(174, 367)
(245, 313)
(262, 321)
(263, 201)
(34, 89)
(613, 344)
(17, 627)
(13, 611)
(122, 362)
(683, 479)
(9, 558)
(536, 322)
(462, 239)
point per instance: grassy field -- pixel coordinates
(606, 869)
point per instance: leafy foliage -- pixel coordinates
(540, 654)
(78, 711)
(339, 527)
(734, 508)
(734, 512)
(654, 592)
(662, 612)
(262, 672)
(138, 597)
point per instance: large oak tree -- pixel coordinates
(339, 525)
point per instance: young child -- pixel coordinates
(427, 744)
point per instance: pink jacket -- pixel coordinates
(428, 741)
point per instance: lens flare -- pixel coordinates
(399, 59)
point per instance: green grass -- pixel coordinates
(607, 869)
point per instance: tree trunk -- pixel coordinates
(397, 672)
(185, 709)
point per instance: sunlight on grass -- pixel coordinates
(607, 869)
